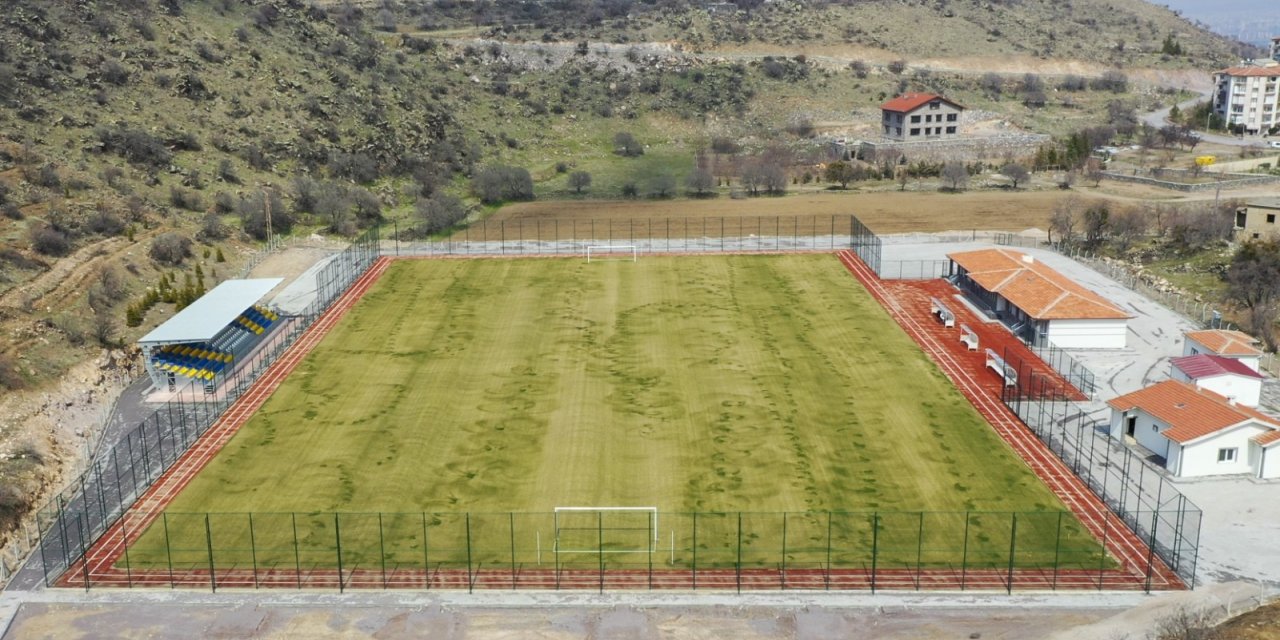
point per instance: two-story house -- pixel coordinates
(920, 116)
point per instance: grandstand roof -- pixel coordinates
(1041, 292)
(212, 312)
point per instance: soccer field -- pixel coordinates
(708, 384)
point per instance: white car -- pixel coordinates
(1275, 144)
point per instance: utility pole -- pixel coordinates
(266, 207)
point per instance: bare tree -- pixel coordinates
(1253, 281)
(700, 181)
(774, 177)
(1015, 172)
(1063, 219)
(1097, 224)
(955, 175)
(1128, 226)
(1093, 171)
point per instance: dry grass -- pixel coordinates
(886, 212)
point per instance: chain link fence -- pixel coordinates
(611, 549)
(1148, 503)
(74, 518)
(537, 236)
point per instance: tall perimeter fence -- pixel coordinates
(75, 518)
(1144, 499)
(536, 236)
(617, 549)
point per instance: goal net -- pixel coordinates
(602, 252)
(597, 530)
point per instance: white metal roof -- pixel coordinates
(212, 312)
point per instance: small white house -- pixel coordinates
(1198, 432)
(1228, 344)
(1226, 377)
(1039, 304)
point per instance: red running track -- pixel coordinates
(944, 347)
(99, 568)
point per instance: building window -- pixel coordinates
(1271, 218)
(935, 105)
(1155, 428)
(1227, 455)
(951, 129)
(915, 132)
(915, 118)
(951, 117)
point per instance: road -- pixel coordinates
(1159, 119)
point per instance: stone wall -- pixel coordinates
(1228, 181)
(985, 148)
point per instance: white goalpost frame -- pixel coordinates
(653, 527)
(597, 250)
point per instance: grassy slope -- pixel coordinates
(741, 383)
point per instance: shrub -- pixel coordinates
(626, 145)
(439, 212)
(49, 241)
(213, 229)
(227, 171)
(134, 145)
(170, 248)
(113, 72)
(105, 223)
(579, 180)
(499, 182)
(185, 199)
(11, 378)
(357, 167)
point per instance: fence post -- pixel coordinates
(1057, 551)
(208, 538)
(297, 554)
(919, 549)
(168, 546)
(124, 544)
(337, 537)
(253, 551)
(695, 550)
(875, 548)
(1102, 557)
(964, 555)
(470, 580)
(426, 561)
(738, 565)
(1013, 540)
(826, 572)
(782, 576)
(600, 533)
(382, 550)
(511, 516)
(84, 550)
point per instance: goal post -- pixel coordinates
(598, 530)
(603, 252)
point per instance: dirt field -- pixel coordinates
(885, 212)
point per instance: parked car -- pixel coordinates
(1274, 144)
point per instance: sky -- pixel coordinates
(1255, 21)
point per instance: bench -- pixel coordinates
(968, 337)
(997, 364)
(944, 314)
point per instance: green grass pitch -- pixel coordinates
(712, 384)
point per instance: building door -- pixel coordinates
(1130, 425)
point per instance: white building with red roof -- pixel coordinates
(1226, 377)
(1038, 303)
(920, 116)
(1236, 345)
(1198, 432)
(1246, 97)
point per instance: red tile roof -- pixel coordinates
(1257, 72)
(909, 102)
(1191, 413)
(1270, 437)
(1225, 342)
(1207, 366)
(1030, 285)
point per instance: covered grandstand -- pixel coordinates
(204, 342)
